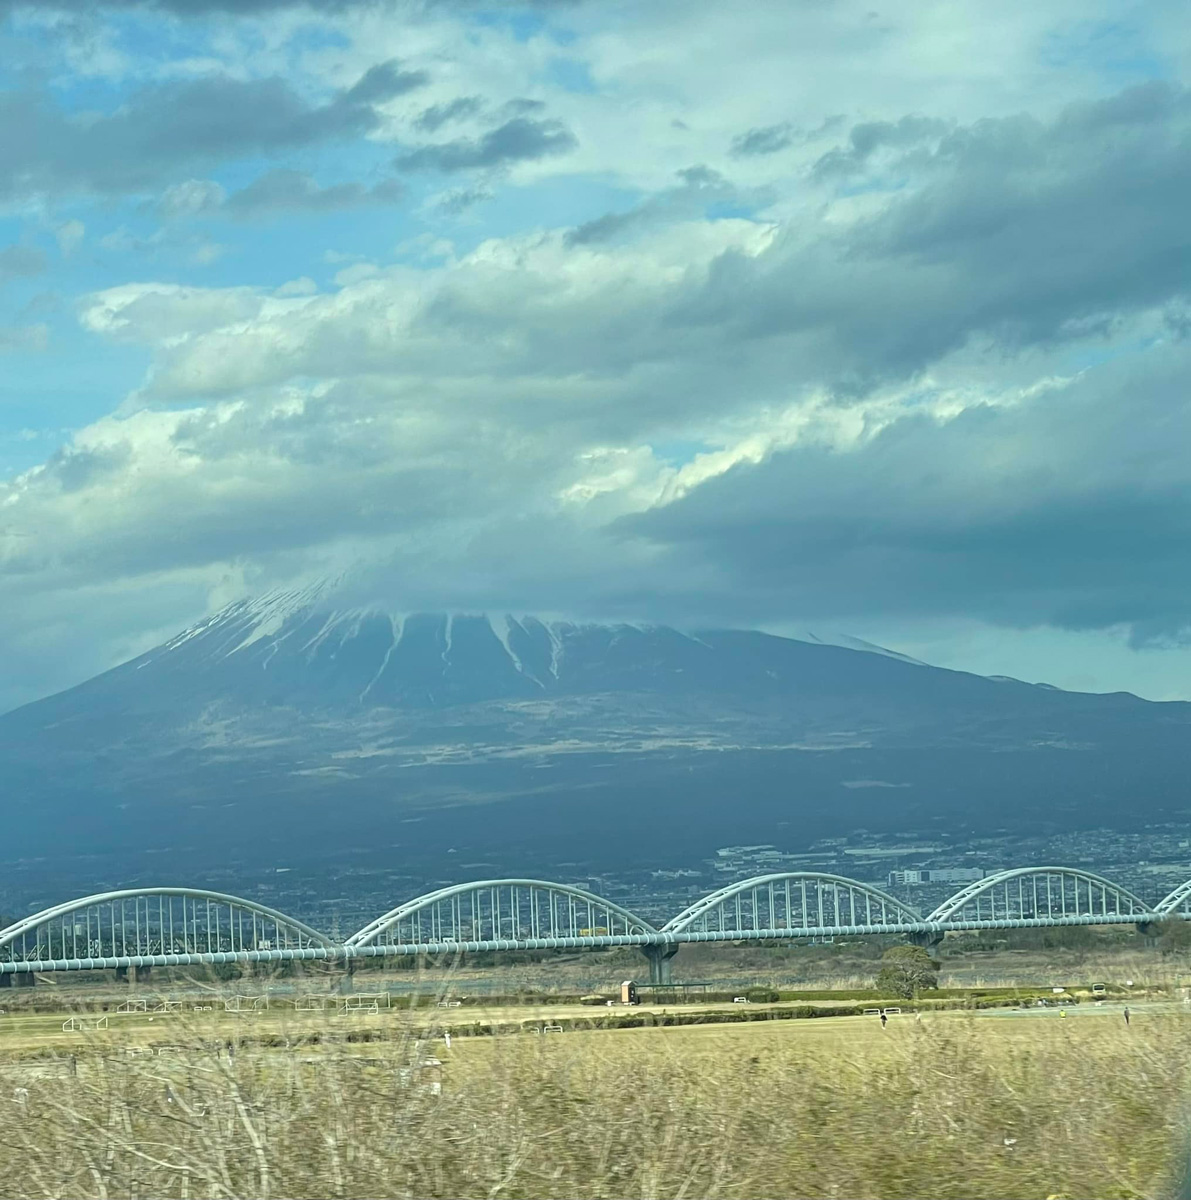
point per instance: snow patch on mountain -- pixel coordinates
(396, 631)
(846, 642)
(555, 633)
(270, 613)
(503, 629)
(278, 620)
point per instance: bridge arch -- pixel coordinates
(500, 909)
(142, 922)
(1177, 901)
(795, 900)
(1040, 892)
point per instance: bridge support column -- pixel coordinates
(659, 962)
(930, 942)
(347, 981)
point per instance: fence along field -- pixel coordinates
(950, 1106)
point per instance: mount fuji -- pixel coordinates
(284, 729)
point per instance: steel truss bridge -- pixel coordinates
(177, 926)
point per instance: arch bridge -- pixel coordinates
(500, 910)
(1049, 893)
(794, 903)
(176, 926)
(166, 926)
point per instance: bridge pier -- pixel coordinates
(659, 962)
(930, 941)
(347, 972)
(132, 974)
(1148, 930)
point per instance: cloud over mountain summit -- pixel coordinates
(822, 315)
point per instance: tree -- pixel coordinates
(906, 970)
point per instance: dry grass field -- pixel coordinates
(996, 1104)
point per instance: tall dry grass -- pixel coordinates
(952, 1107)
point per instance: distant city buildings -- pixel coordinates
(1149, 861)
(751, 860)
(945, 875)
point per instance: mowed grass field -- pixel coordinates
(988, 1104)
(31, 1031)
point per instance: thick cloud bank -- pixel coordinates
(881, 365)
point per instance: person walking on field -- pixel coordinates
(884, 1020)
(1126, 1014)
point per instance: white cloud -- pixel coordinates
(164, 313)
(303, 286)
(597, 422)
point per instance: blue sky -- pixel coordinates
(818, 318)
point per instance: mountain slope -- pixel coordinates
(280, 728)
